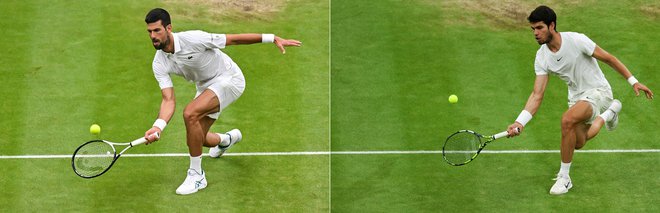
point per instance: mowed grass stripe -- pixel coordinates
(16, 70)
(363, 103)
(60, 94)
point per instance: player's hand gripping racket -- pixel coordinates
(465, 145)
(95, 157)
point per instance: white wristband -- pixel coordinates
(632, 80)
(160, 123)
(524, 117)
(267, 38)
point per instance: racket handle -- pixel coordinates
(504, 134)
(143, 139)
(501, 135)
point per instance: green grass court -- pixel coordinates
(371, 76)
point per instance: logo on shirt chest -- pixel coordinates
(557, 59)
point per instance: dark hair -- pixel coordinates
(158, 14)
(545, 14)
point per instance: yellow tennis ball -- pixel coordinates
(95, 129)
(453, 99)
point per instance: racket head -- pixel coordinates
(93, 158)
(462, 147)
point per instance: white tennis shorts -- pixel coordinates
(600, 99)
(228, 88)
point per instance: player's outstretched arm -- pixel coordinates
(532, 105)
(167, 106)
(614, 62)
(251, 38)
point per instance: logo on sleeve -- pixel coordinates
(190, 57)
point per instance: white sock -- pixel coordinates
(564, 169)
(607, 115)
(196, 163)
(224, 139)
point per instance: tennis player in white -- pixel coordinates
(196, 56)
(573, 58)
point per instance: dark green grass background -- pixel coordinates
(394, 63)
(68, 64)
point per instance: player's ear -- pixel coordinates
(168, 28)
(552, 26)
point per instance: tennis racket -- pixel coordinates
(94, 158)
(464, 146)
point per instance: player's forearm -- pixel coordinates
(533, 103)
(618, 66)
(167, 108)
(535, 99)
(246, 38)
(612, 61)
(167, 105)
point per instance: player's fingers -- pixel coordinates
(293, 43)
(281, 47)
(511, 131)
(151, 138)
(649, 94)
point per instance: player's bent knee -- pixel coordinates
(191, 115)
(568, 122)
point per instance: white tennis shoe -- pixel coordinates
(562, 185)
(193, 183)
(616, 108)
(235, 136)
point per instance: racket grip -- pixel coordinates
(504, 134)
(143, 139)
(501, 135)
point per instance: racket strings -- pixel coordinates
(93, 158)
(461, 148)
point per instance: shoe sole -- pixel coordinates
(193, 192)
(196, 190)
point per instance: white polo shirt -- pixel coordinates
(573, 63)
(197, 58)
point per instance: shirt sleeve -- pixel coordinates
(160, 72)
(539, 69)
(584, 44)
(209, 40)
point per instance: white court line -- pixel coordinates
(347, 153)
